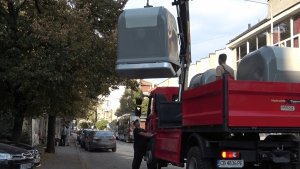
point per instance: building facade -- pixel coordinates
(107, 105)
(286, 30)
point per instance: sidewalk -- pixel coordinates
(64, 157)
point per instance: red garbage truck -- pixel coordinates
(251, 121)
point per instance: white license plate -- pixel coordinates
(230, 163)
(25, 166)
(37, 160)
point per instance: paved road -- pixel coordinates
(121, 159)
(75, 157)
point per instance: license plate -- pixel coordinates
(37, 160)
(230, 163)
(25, 166)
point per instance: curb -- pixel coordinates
(79, 155)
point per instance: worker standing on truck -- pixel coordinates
(222, 68)
(140, 144)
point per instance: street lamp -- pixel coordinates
(271, 17)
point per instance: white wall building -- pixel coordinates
(109, 104)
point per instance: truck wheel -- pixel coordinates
(158, 165)
(195, 160)
(151, 160)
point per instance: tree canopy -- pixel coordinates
(56, 57)
(128, 104)
(84, 125)
(100, 125)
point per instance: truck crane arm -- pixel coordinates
(183, 19)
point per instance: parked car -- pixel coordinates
(35, 153)
(101, 140)
(78, 135)
(83, 136)
(12, 157)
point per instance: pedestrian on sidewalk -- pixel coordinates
(68, 136)
(63, 135)
(140, 144)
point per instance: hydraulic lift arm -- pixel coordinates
(183, 19)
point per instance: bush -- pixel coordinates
(100, 125)
(84, 125)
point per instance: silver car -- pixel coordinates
(101, 140)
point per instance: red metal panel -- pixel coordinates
(203, 105)
(168, 145)
(168, 91)
(258, 104)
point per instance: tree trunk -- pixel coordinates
(17, 130)
(51, 134)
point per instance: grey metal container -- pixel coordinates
(273, 64)
(208, 76)
(203, 78)
(195, 81)
(147, 43)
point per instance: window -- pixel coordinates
(103, 133)
(296, 24)
(285, 30)
(288, 43)
(252, 44)
(262, 39)
(296, 42)
(243, 49)
(275, 34)
(175, 97)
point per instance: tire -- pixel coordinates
(151, 160)
(196, 161)
(114, 149)
(158, 165)
(91, 149)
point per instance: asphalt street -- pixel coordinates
(106, 159)
(75, 157)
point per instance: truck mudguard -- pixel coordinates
(206, 151)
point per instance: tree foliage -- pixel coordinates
(100, 125)
(127, 102)
(84, 125)
(57, 56)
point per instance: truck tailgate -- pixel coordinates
(263, 104)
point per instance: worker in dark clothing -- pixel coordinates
(140, 144)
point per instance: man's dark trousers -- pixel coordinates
(63, 138)
(138, 157)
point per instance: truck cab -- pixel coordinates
(160, 94)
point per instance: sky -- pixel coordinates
(212, 22)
